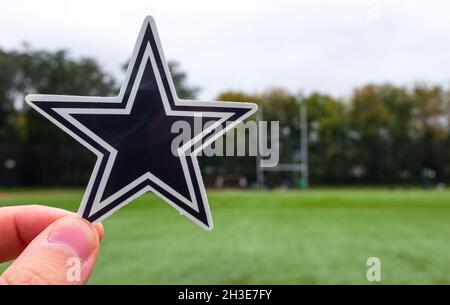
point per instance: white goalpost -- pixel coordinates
(302, 166)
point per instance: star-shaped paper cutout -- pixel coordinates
(131, 134)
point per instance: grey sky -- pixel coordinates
(331, 46)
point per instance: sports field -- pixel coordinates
(318, 236)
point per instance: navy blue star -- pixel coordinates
(131, 134)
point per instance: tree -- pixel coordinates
(8, 114)
(48, 72)
(179, 77)
(381, 116)
(45, 151)
(329, 149)
(275, 105)
(431, 127)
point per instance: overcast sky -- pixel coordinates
(330, 46)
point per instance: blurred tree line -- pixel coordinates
(381, 134)
(32, 150)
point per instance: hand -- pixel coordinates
(47, 243)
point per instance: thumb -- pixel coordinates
(64, 253)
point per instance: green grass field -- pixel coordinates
(319, 236)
